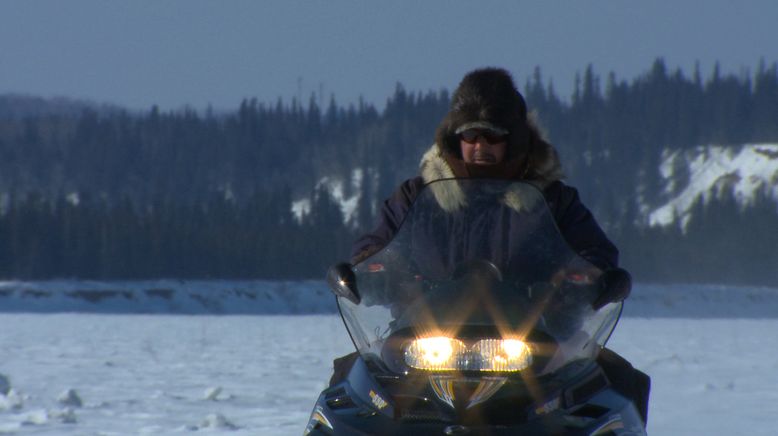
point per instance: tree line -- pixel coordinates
(196, 194)
(216, 238)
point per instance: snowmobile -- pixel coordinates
(477, 318)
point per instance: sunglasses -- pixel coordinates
(471, 136)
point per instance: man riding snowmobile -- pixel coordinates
(488, 135)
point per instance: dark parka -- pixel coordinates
(574, 220)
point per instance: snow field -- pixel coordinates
(709, 376)
(173, 374)
(163, 374)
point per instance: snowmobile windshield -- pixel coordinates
(479, 268)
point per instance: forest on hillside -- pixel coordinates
(113, 194)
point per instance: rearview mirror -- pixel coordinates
(343, 282)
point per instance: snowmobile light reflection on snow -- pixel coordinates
(458, 333)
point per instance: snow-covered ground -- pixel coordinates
(260, 374)
(165, 374)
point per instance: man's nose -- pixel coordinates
(480, 141)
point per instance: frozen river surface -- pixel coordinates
(173, 374)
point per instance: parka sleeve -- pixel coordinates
(391, 216)
(579, 228)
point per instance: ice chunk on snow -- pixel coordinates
(70, 398)
(217, 421)
(12, 400)
(65, 416)
(36, 417)
(212, 394)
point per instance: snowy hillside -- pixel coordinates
(705, 172)
(687, 175)
(345, 195)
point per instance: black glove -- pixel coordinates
(614, 286)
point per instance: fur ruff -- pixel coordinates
(450, 197)
(434, 167)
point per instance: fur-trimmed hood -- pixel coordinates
(488, 96)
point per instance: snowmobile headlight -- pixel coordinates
(502, 354)
(437, 353)
(442, 353)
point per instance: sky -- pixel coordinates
(199, 53)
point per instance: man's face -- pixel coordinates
(482, 147)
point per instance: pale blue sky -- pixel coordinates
(141, 52)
